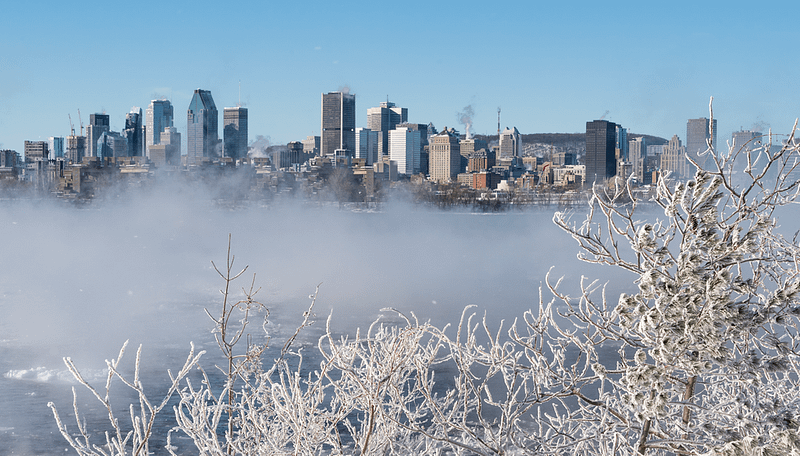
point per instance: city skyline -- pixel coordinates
(660, 77)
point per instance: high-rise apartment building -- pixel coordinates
(383, 119)
(338, 123)
(134, 133)
(159, 117)
(98, 124)
(601, 142)
(445, 156)
(698, 134)
(234, 132)
(405, 148)
(202, 132)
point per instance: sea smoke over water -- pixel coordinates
(82, 281)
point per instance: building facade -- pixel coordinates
(134, 133)
(201, 127)
(367, 145)
(601, 140)
(673, 159)
(311, 146)
(98, 124)
(637, 155)
(338, 123)
(76, 148)
(445, 156)
(405, 148)
(383, 119)
(56, 145)
(510, 142)
(36, 151)
(235, 132)
(698, 133)
(159, 117)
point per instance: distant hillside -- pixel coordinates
(541, 144)
(558, 139)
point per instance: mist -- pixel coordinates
(79, 281)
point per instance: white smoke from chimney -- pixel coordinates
(465, 118)
(258, 147)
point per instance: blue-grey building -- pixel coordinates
(201, 125)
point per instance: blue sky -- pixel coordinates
(550, 66)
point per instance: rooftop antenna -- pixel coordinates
(498, 122)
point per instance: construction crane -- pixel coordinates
(81, 120)
(604, 115)
(71, 127)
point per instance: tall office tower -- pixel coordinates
(697, 135)
(621, 147)
(673, 159)
(746, 140)
(159, 117)
(367, 145)
(76, 148)
(36, 151)
(338, 122)
(405, 148)
(134, 133)
(112, 144)
(234, 132)
(510, 142)
(98, 124)
(445, 156)
(311, 146)
(201, 121)
(383, 119)
(601, 142)
(56, 144)
(637, 155)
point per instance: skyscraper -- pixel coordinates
(367, 145)
(56, 144)
(383, 119)
(510, 141)
(445, 156)
(235, 132)
(76, 148)
(201, 122)
(405, 148)
(673, 159)
(159, 117)
(134, 132)
(697, 135)
(338, 122)
(98, 124)
(601, 145)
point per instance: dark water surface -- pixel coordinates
(80, 282)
